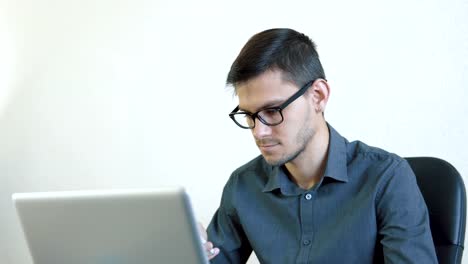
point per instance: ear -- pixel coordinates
(320, 94)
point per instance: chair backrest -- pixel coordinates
(444, 192)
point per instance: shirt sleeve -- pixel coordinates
(226, 232)
(403, 219)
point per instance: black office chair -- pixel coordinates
(444, 192)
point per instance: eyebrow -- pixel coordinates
(270, 104)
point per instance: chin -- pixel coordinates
(279, 161)
(274, 162)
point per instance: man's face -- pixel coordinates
(284, 142)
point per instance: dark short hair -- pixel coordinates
(282, 49)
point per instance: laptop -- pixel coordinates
(110, 227)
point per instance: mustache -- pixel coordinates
(266, 141)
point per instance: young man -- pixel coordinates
(311, 196)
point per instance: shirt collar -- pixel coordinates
(278, 179)
(336, 168)
(273, 180)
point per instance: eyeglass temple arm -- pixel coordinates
(298, 94)
(234, 111)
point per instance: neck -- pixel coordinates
(308, 168)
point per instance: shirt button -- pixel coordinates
(308, 196)
(306, 242)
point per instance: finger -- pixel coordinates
(210, 250)
(208, 246)
(202, 231)
(213, 253)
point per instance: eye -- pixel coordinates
(245, 116)
(269, 112)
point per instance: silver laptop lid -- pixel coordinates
(114, 226)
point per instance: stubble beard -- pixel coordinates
(303, 138)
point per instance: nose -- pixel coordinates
(261, 130)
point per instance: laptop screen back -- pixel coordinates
(100, 227)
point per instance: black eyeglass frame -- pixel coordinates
(279, 109)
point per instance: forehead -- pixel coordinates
(266, 90)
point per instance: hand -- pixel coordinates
(210, 250)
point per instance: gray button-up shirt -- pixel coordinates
(366, 209)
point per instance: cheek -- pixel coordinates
(284, 133)
(291, 124)
(297, 114)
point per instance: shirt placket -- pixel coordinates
(307, 229)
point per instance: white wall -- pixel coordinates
(113, 94)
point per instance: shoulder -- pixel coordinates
(361, 150)
(375, 164)
(361, 154)
(379, 166)
(253, 173)
(254, 166)
(246, 181)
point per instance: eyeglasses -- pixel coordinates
(270, 116)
